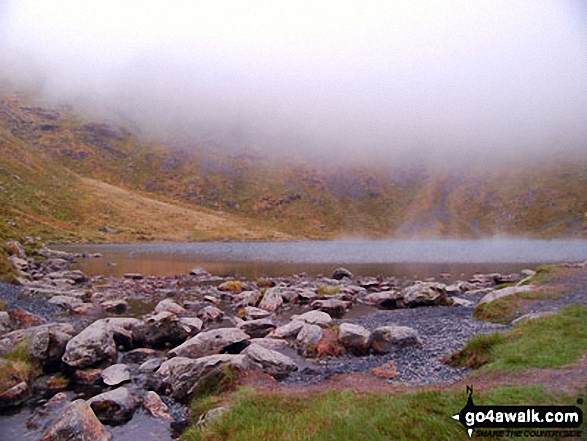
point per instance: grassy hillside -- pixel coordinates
(64, 177)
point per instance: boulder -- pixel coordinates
(210, 314)
(139, 355)
(65, 302)
(115, 306)
(289, 330)
(272, 300)
(187, 375)
(150, 365)
(114, 407)
(211, 342)
(77, 422)
(308, 336)
(319, 318)
(457, 301)
(248, 298)
(306, 296)
(336, 308)
(341, 273)
(388, 339)
(505, 292)
(15, 396)
(91, 346)
(252, 313)
(426, 294)
(169, 305)
(115, 374)
(164, 329)
(87, 377)
(386, 299)
(270, 343)
(212, 415)
(271, 362)
(258, 328)
(354, 338)
(200, 273)
(4, 322)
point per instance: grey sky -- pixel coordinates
(423, 78)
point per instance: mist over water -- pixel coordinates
(440, 81)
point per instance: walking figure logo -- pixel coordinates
(468, 408)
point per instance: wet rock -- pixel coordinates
(272, 300)
(306, 296)
(150, 365)
(308, 336)
(271, 362)
(336, 308)
(114, 407)
(252, 313)
(47, 346)
(289, 330)
(319, 318)
(209, 342)
(258, 328)
(386, 299)
(505, 292)
(341, 273)
(390, 338)
(168, 305)
(45, 414)
(77, 422)
(50, 384)
(15, 396)
(187, 375)
(354, 338)
(156, 407)
(210, 313)
(139, 355)
(426, 294)
(115, 374)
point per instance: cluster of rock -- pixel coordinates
(200, 327)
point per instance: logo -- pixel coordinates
(518, 420)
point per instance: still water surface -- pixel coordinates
(422, 258)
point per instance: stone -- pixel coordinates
(134, 276)
(270, 343)
(532, 316)
(336, 308)
(91, 346)
(272, 300)
(252, 313)
(156, 407)
(187, 375)
(115, 374)
(87, 377)
(258, 328)
(248, 298)
(169, 305)
(341, 273)
(77, 422)
(426, 294)
(4, 322)
(199, 272)
(192, 325)
(212, 415)
(65, 302)
(386, 299)
(505, 292)
(354, 338)
(164, 329)
(210, 342)
(45, 415)
(457, 301)
(319, 318)
(271, 362)
(210, 314)
(15, 396)
(306, 296)
(114, 407)
(24, 319)
(75, 276)
(139, 355)
(308, 336)
(289, 330)
(150, 365)
(19, 264)
(388, 339)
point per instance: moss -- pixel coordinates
(328, 290)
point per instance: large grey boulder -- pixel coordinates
(114, 407)
(169, 305)
(115, 374)
(319, 318)
(271, 362)
(308, 336)
(77, 422)
(187, 375)
(289, 330)
(252, 313)
(210, 313)
(211, 342)
(166, 329)
(386, 299)
(341, 273)
(426, 294)
(390, 338)
(505, 292)
(272, 300)
(334, 307)
(354, 338)
(15, 395)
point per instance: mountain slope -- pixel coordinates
(65, 177)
